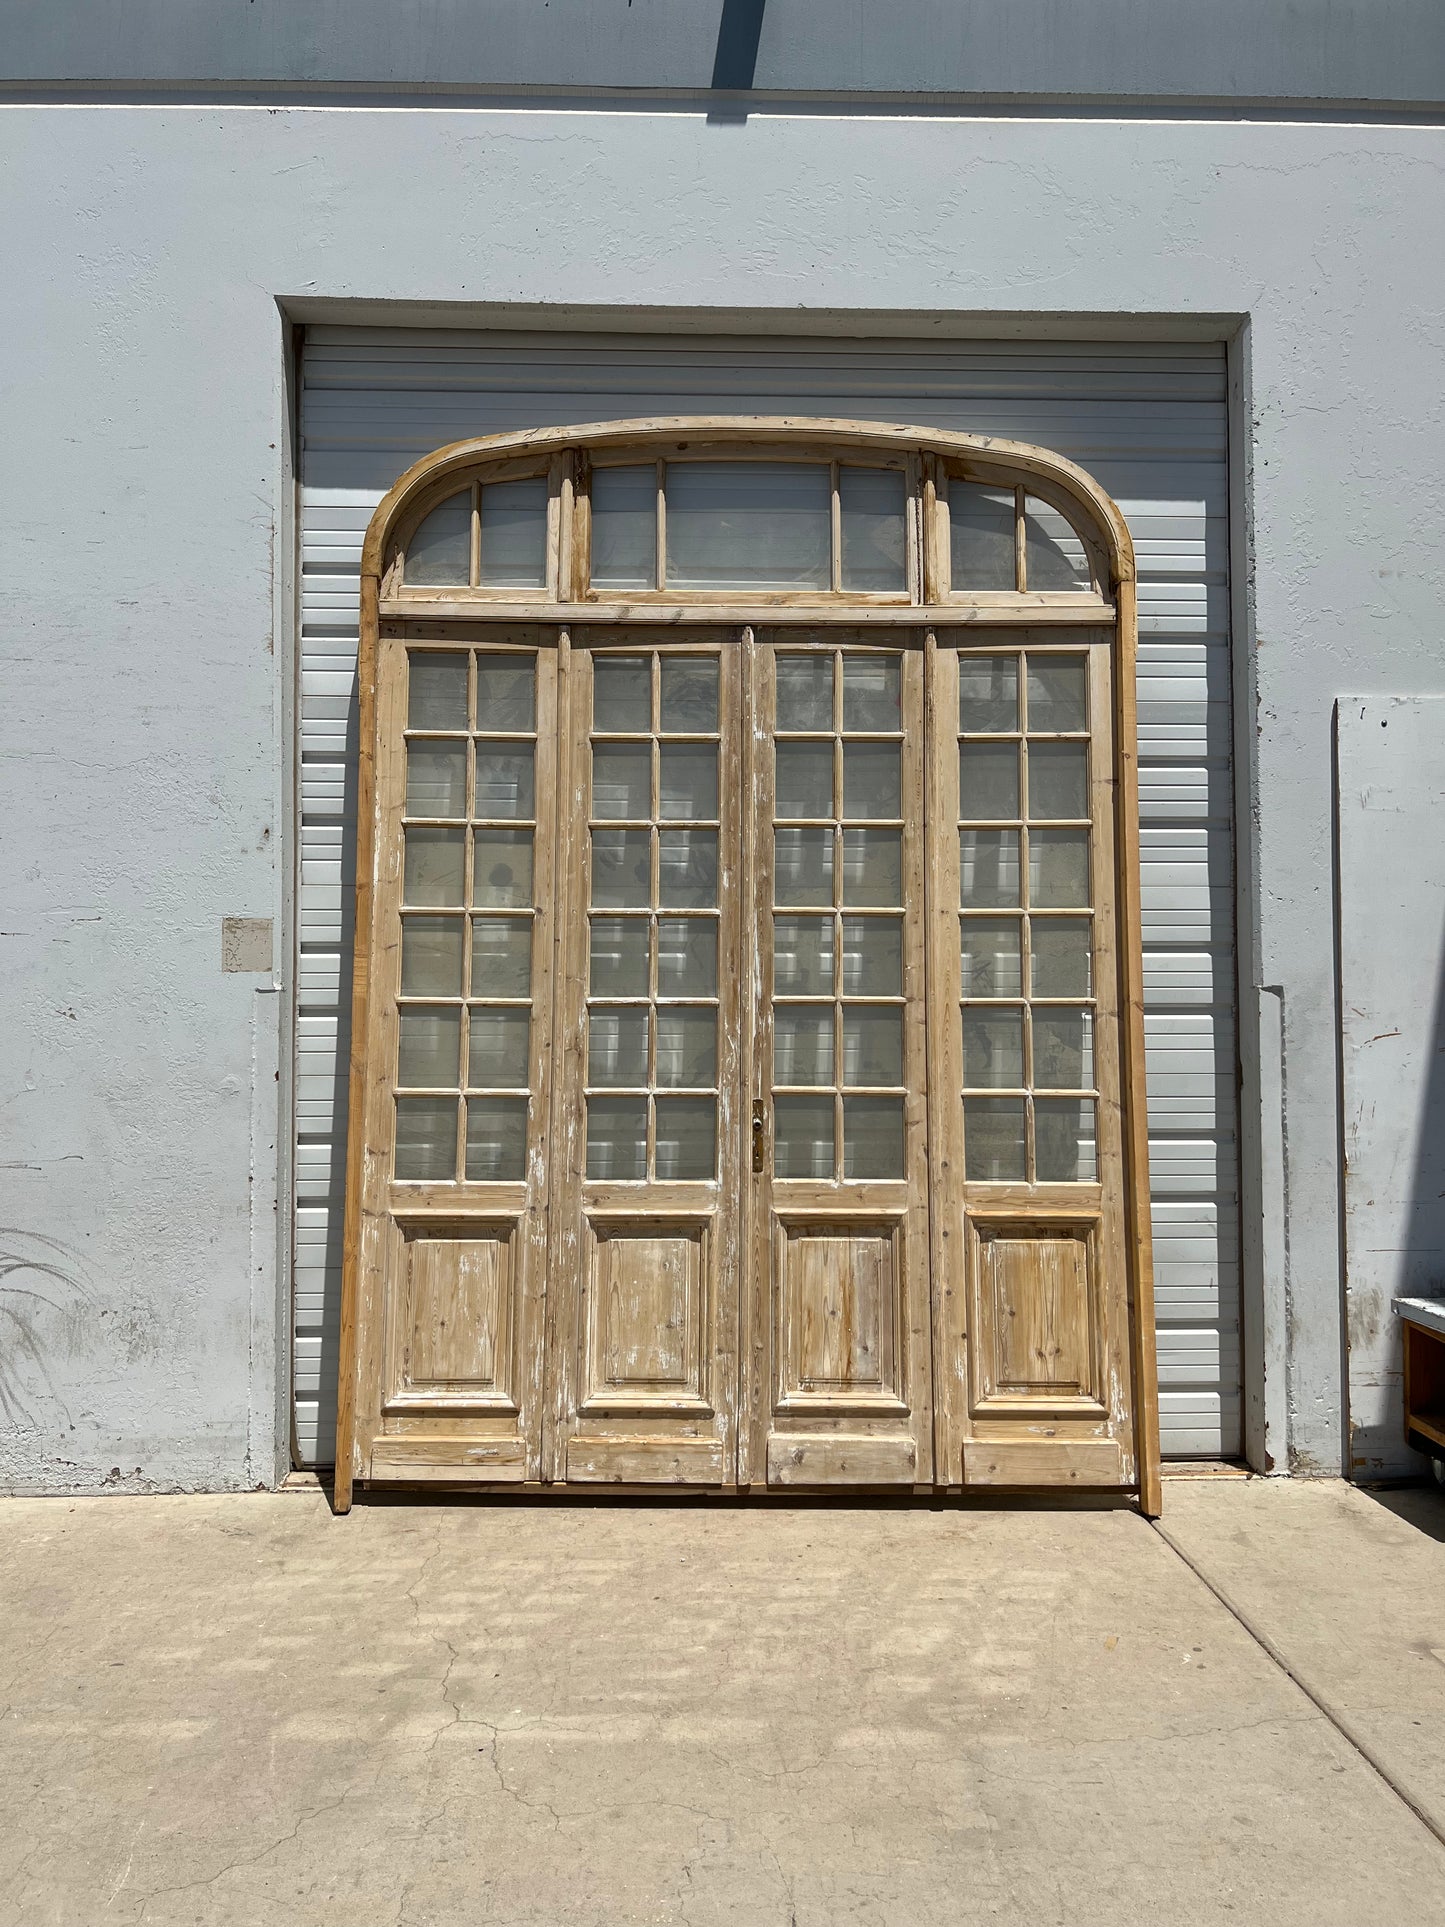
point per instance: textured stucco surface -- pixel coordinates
(147, 637)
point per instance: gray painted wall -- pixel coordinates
(147, 500)
(1327, 50)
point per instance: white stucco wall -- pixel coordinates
(146, 500)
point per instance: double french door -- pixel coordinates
(743, 1087)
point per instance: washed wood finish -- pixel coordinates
(928, 1329)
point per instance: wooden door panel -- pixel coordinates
(839, 1248)
(452, 1254)
(648, 1317)
(456, 1320)
(1030, 1277)
(1038, 1337)
(840, 1339)
(644, 1340)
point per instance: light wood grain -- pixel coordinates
(750, 1330)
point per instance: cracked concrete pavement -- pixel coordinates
(237, 1709)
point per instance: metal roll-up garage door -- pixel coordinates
(1147, 419)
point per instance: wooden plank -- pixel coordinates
(1131, 953)
(360, 977)
(651, 1461)
(816, 1458)
(453, 1458)
(1050, 608)
(1027, 1462)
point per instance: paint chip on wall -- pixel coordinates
(246, 943)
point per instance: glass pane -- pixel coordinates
(624, 528)
(803, 956)
(1058, 779)
(873, 866)
(804, 779)
(803, 1137)
(689, 696)
(622, 695)
(435, 862)
(429, 1045)
(1056, 556)
(622, 780)
(1063, 1049)
(981, 528)
(687, 869)
(686, 956)
(617, 1137)
(501, 957)
(501, 869)
(436, 779)
(873, 548)
(617, 1046)
(991, 962)
(1056, 693)
(871, 697)
(872, 956)
(803, 867)
(805, 692)
(497, 1056)
(872, 780)
(872, 1137)
(496, 1140)
(993, 1049)
(687, 781)
(1059, 868)
(436, 692)
(619, 957)
(439, 554)
(1059, 957)
(751, 525)
(506, 692)
(803, 1044)
(687, 1046)
(988, 780)
(686, 1139)
(872, 1044)
(621, 869)
(1064, 1146)
(504, 780)
(989, 867)
(426, 1138)
(431, 956)
(988, 694)
(993, 1140)
(514, 535)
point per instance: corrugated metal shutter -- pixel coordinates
(1147, 419)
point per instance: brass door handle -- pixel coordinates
(760, 1137)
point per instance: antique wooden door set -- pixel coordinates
(747, 1075)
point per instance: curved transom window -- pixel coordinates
(657, 520)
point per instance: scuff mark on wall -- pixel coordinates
(38, 1276)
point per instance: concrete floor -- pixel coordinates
(239, 1710)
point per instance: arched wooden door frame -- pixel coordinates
(930, 457)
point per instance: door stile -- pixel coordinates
(569, 1017)
(754, 1348)
(947, 1243)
